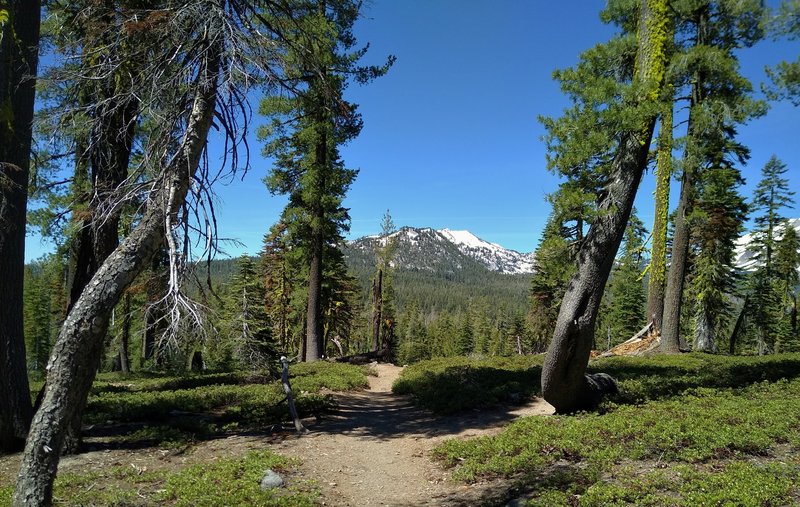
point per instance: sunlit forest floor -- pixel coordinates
(685, 430)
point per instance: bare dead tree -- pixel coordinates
(198, 69)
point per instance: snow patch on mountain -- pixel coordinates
(429, 249)
(746, 259)
(492, 255)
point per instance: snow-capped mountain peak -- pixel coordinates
(492, 255)
(449, 251)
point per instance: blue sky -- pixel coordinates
(451, 137)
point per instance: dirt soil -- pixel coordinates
(374, 450)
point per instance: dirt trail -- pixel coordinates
(375, 450)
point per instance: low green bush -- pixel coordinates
(447, 385)
(725, 428)
(233, 481)
(656, 377)
(198, 405)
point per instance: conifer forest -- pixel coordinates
(645, 352)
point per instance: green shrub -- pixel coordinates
(705, 426)
(447, 385)
(233, 482)
(239, 397)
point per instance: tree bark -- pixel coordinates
(110, 144)
(673, 298)
(314, 327)
(70, 370)
(377, 300)
(19, 58)
(658, 254)
(565, 383)
(124, 340)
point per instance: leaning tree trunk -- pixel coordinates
(18, 65)
(110, 144)
(70, 370)
(565, 383)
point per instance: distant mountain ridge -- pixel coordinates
(445, 250)
(445, 269)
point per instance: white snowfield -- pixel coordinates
(492, 255)
(745, 259)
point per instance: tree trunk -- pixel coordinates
(314, 309)
(704, 334)
(125, 336)
(658, 253)
(19, 58)
(738, 326)
(314, 326)
(110, 150)
(673, 298)
(565, 384)
(71, 371)
(377, 300)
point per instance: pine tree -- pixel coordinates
(705, 74)
(765, 294)
(280, 273)
(247, 325)
(786, 265)
(716, 225)
(626, 292)
(786, 75)
(770, 197)
(382, 290)
(306, 133)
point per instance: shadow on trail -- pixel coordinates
(384, 415)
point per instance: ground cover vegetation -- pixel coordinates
(695, 429)
(175, 413)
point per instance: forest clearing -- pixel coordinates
(694, 430)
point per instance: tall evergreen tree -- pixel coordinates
(716, 225)
(765, 297)
(19, 58)
(306, 133)
(770, 198)
(248, 325)
(626, 291)
(705, 71)
(280, 278)
(382, 308)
